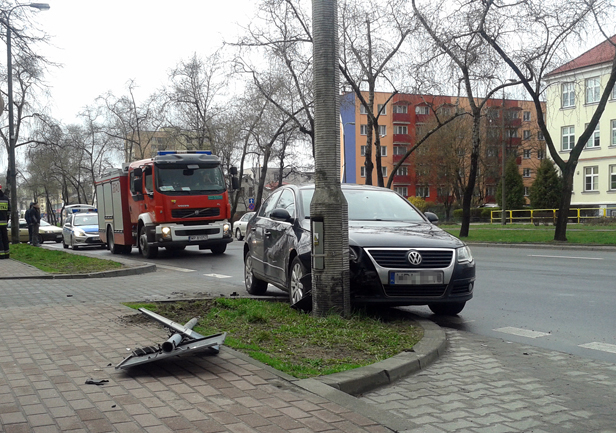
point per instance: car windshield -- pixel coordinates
(85, 220)
(198, 180)
(371, 205)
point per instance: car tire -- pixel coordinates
(64, 244)
(297, 291)
(148, 251)
(218, 249)
(238, 234)
(254, 286)
(447, 308)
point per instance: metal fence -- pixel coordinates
(547, 216)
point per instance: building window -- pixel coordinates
(568, 92)
(442, 192)
(526, 116)
(593, 90)
(526, 154)
(422, 109)
(362, 109)
(382, 130)
(540, 154)
(383, 150)
(399, 150)
(526, 134)
(384, 171)
(512, 133)
(363, 129)
(591, 178)
(422, 191)
(362, 151)
(526, 189)
(614, 92)
(382, 109)
(362, 171)
(612, 177)
(540, 136)
(594, 140)
(402, 190)
(491, 151)
(400, 109)
(398, 129)
(526, 172)
(568, 137)
(613, 132)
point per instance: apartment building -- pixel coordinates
(509, 127)
(573, 93)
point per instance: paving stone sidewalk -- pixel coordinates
(487, 385)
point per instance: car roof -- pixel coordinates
(347, 186)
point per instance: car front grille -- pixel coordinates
(398, 258)
(195, 213)
(435, 291)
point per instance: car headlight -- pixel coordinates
(464, 254)
(166, 232)
(226, 229)
(79, 232)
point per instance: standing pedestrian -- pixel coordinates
(28, 217)
(5, 215)
(36, 223)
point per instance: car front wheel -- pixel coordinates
(447, 308)
(296, 287)
(254, 286)
(238, 234)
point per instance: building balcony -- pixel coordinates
(402, 138)
(514, 123)
(402, 117)
(397, 158)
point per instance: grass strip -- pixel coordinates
(59, 262)
(294, 342)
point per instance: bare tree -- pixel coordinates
(454, 32)
(373, 35)
(547, 29)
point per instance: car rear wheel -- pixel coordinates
(447, 308)
(254, 286)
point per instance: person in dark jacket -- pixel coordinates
(35, 215)
(28, 218)
(5, 215)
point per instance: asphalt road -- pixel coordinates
(557, 299)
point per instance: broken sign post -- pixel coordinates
(183, 341)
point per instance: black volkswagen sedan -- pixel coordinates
(397, 255)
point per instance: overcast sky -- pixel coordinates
(102, 44)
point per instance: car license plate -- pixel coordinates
(416, 277)
(197, 238)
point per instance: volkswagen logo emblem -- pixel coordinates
(414, 257)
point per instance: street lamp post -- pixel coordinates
(12, 171)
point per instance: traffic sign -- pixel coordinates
(251, 206)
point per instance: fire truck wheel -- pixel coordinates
(218, 249)
(253, 285)
(111, 245)
(146, 250)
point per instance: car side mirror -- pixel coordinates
(431, 217)
(281, 215)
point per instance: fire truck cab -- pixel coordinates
(174, 200)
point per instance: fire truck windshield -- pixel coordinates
(183, 180)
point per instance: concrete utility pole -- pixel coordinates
(328, 209)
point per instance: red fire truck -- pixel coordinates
(173, 200)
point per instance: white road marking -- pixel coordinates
(173, 268)
(521, 332)
(217, 275)
(565, 257)
(604, 347)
